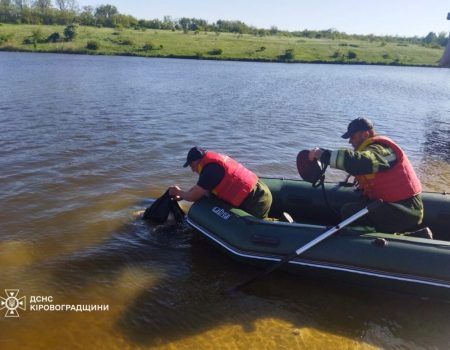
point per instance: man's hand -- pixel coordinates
(315, 153)
(176, 192)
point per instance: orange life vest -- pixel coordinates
(395, 184)
(238, 181)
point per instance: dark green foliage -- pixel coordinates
(442, 39)
(54, 37)
(38, 36)
(430, 38)
(288, 55)
(92, 45)
(148, 46)
(351, 55)
(261, 49)
(336, 54)
(215, 52)
(70, 32)
(105, 14)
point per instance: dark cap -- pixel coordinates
(358, 124)
(195, 153)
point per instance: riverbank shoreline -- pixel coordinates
(131, 54)
(215, 46)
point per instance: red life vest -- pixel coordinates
(238, 181)
(395, 184)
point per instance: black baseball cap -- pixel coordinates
(195, 153)
(358, 124)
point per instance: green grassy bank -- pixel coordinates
(209, 45)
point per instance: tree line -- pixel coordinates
(65, 12)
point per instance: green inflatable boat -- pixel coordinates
(353, 254)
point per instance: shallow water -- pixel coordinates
(86, 141)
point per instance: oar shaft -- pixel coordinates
(285, 260)
(332, 230)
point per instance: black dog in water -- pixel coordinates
(166, 212)
(160, 210)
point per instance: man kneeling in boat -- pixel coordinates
(383, 171)
(228, 180)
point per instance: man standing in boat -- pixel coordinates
(383, 171)
(228, 180)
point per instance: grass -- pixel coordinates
(224, 46)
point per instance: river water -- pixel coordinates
(86, 141)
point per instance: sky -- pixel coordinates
(379, 17)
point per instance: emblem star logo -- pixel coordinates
(11, 303)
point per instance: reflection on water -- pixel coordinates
(85, 139)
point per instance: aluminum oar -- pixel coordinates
(371, 207)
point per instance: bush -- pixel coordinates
(215, 52)
(288, 55)
(38, 36)
(148, 46)
(336, 54)
(71, 31)
(351, 55)
(385, 56)
(92, 45)
(261, 49)
(54, 37)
